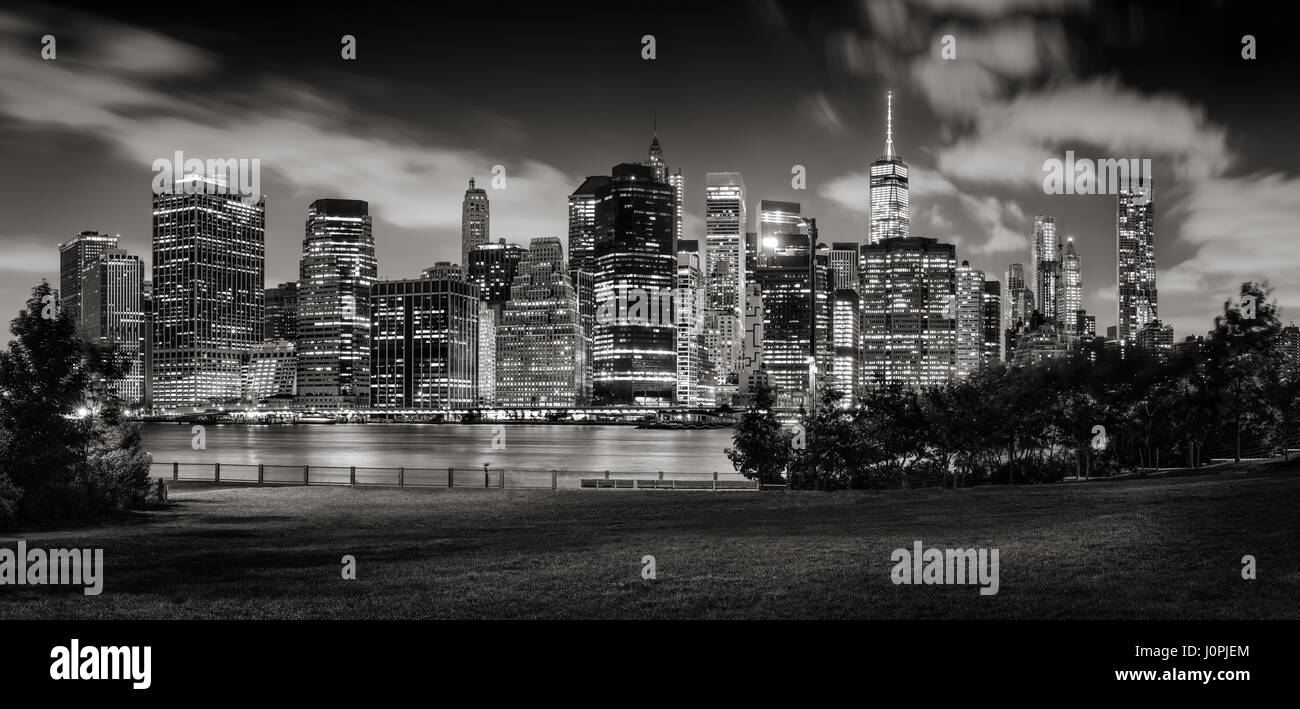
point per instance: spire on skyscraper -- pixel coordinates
(889, 124)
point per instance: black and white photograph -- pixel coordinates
(935, 322)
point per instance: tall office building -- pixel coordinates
(1070, 299)
(689, 309)
(486, 380)
(1013, 310)
(492, 267)
(846, 336)
(968, 308)
(780, 230)
(474, 221)
(798, 298)
(280, 318)
(724, 267)
(655, 158)
(582, 264)
(909, 332)
(636, 257)
(112, 311)
(678, 183)
(1135, 266)
(582, 223)
(335, 275)
(540, 343)
(887, 215)
(845, 259)
(1044, 264)
(753, 372)
(209, 280)
(424, 344)
(994, 340)
(75, 256)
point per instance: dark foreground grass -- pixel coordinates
(1153, 548)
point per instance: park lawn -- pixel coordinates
(1141, 548)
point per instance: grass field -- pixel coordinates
(1146, 548)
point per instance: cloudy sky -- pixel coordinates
(556, 91)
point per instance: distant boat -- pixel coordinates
(315, 417)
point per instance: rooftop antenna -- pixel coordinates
(889, 125)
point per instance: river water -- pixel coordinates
(539, 447)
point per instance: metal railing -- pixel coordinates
(452, 477)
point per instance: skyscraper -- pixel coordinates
(724, 267)
(846, 337)
(1135, 263)
(280, 319)
(492, 267)
(540, 343)
(424, 344)
(798, 298)
(582, 223)
(582, 264)
(888, 216)
(994, 340)
(1070, 299)
(845, 259)
(909, 328)
(689, 302)
(209, 279)
(1013, 310)
(75, 256)
(635, 258)
(335, 275)
(1044, 264)
(474, 222)
(112, 311)
(969, 312)
(678, 182)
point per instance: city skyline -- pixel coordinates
(1220, 157)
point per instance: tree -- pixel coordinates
(63, 449)
(761, 449)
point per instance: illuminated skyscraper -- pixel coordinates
(678, 183)
(969, 310)
(888, 216)
(280, 318)
(582, 263)
(846, 336)
(1044, 265)
(797, 291)
(492, 267)
(540, 343)
(909, 327)
(994, 340)
(271, 373)
(209, 280)
(335, 275)
(724, 267)
(1135, 265)
(474, 221)
(582, 223)
(75, 256)
(1070, 300)
(112, 311)
(424, 344)
(1013, 306)
(635, 259)
(845, 259)
(688, 306)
